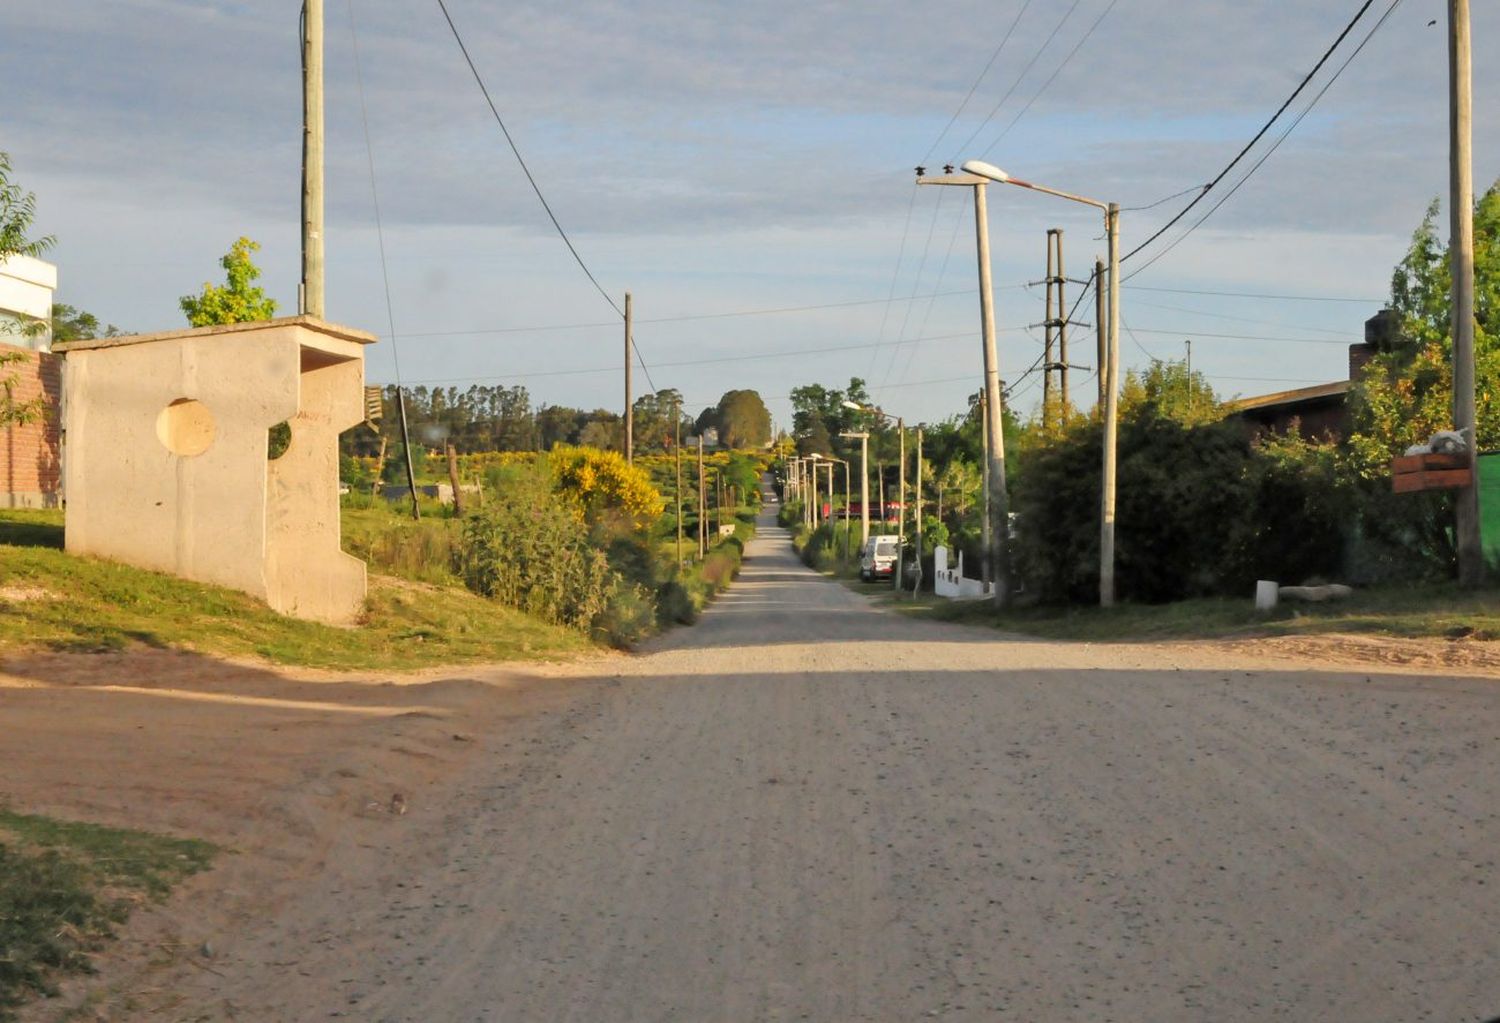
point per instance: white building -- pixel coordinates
(26, 287)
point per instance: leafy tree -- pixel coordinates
(1173, 393)
(1405, 394)
(70, 324)
(814, 439)
(239, 299)
(743, 420)
(656, 419)
(17, 210)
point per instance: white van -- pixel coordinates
(877, 558)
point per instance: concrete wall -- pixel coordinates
(167, 463)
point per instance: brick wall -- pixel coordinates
(31, 455)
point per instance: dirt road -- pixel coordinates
(806, 809)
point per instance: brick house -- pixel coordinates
(30, 455)
(1321, 411)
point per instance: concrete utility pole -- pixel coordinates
(1111, 417)
(916, 584)
(864, 485)
(987, 541)
(901, 505)
(1099, 373)
(1461, 252)
(999, 510)
(311, 292)
(629, 405)
(677, 470)
(702, 505)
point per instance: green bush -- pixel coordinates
(528, 552)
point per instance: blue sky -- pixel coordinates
(718, 157)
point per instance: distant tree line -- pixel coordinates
(499, 418)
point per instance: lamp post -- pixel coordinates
(900, 484)
(817, 510)
(989, 172)
(864, 477)
(998, 524)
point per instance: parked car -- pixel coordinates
(877, 558)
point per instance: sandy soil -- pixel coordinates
(804, 808)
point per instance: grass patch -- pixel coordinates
(1436, 610)
(52, 600)
(65, 886)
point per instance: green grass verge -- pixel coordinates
(65, 886)
(1437, 610)
(51, 600)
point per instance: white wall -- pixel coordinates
(26, 287)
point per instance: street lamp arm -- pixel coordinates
(984, 170)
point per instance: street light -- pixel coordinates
(900, 484)
(864, 476)
(999, 517)
(1111, 210)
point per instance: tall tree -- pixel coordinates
(743, 420)
(238, 299)
(1405, 394)
(70, 324)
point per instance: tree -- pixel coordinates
(1173, 392)
(1405, 394)
(656, 418)
(239, 299)
(17, 210)
(70, 324)
(743, 420)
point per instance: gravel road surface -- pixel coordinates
(805, 808)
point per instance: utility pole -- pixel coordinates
(702, 505)
(1461, 254)
(864, 486)
(987, 540)
(901, 505)
(677, 471)
(629, 405)
(1111, 417)
(1062, 325)
(1000, 553)
(1049, 326)
(311, 291)
(458, 502)
(916, 584)
(411, 472)
(1099, 320)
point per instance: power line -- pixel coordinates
(1277, 145)
(911, 204)
(1256, 294)
(1258, 135)
(531, 179)
(1015, 84)
(1051, 78)
(970, 95)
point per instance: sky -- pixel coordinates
(717, 158)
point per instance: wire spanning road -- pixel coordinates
(806, 809)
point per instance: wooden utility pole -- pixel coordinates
(311, 291)
(379, 467)
(702, 505)
(916, 584)
(677, 467)
(629, 405)
(411, 471)
(901, 505)
(458, 500)
(1099, 373)
(1461, 254)
(985, 539)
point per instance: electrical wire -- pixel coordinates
(1051, 78)
(1015, 84)
(1259, 134)
(1256, 294)
(531, 179)
(911, 205)
(970, 95)
(1275, 146)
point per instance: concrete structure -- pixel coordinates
(30, 455)
(950, 582)
(168, 468)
